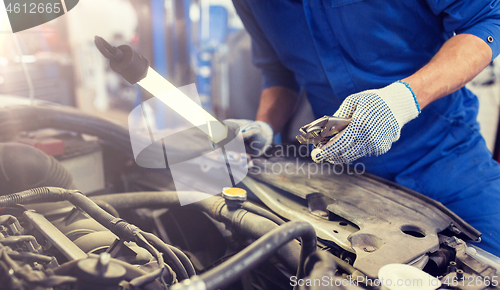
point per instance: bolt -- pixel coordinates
(103, 263)
(460, 274)
(455, 230)
(452, 267)
(370, 249)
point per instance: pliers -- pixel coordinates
(320, 131)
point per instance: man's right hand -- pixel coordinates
(258, 135)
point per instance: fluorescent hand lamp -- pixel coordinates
(135, 69)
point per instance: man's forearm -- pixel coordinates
(459, 60)
(277, 104)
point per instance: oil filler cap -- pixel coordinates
(234, 193)
(234, 197)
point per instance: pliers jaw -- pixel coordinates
(320, 131)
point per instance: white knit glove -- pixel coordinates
(377, 117)
(258, 135)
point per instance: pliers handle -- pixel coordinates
(320, 131)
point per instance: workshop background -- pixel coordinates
(187, 41)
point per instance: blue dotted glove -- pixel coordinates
(377, 117)
(258, 135)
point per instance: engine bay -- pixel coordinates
(76, 212)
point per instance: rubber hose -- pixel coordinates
(144, 199)
(165, 248)
(23, 167)
(250, 257)
(254, 225)
(107, 207)
(251, 224)
(141, 281)
(320, 259)
(161, 199)
(262, 212)
(118, 226)
(319, 265)
(42, 194)
(15, 119)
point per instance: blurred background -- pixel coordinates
(187, 41)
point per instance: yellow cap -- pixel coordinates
(234, 193)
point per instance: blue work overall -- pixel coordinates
(334, 48)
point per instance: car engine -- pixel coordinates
(76, 212)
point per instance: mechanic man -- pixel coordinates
(398, 69)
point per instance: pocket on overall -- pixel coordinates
(378, 28)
